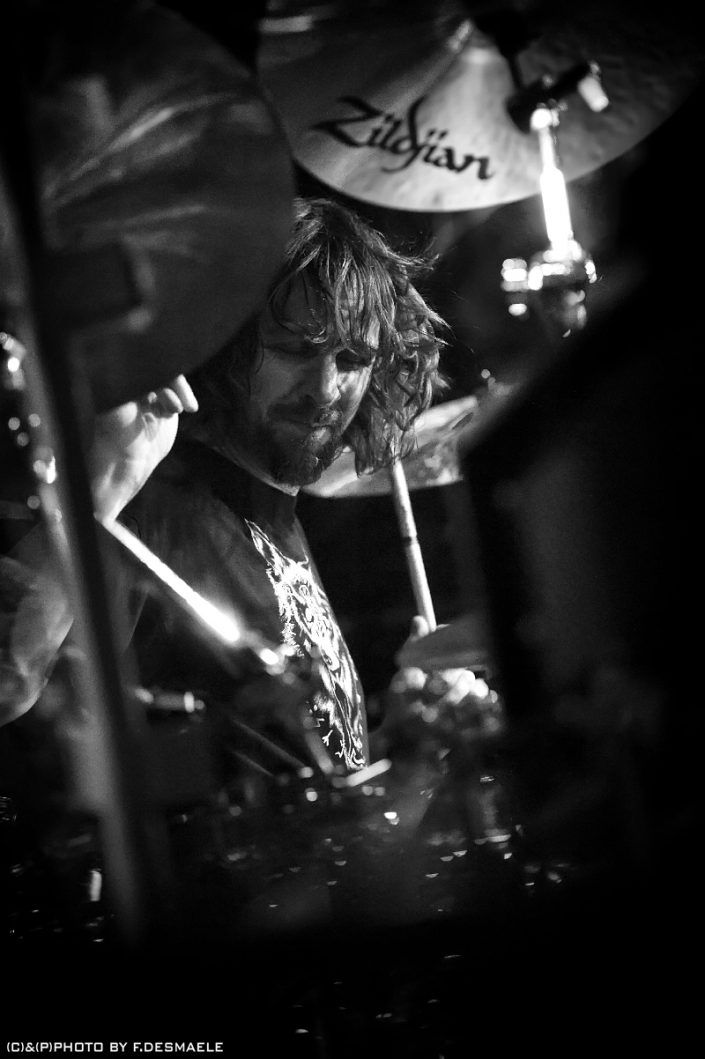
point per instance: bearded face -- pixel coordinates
(302, 394)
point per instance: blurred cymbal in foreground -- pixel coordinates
(409, 111)
(158, 155)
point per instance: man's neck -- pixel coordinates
(232, 452)
(241, 460)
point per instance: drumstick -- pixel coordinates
(407, 525)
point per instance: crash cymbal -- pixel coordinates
(411, 112)
(462, 644)
(156, 151)
(440, 434)
(432, 462)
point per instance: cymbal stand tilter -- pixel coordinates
(555, 278)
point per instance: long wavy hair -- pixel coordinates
(366, 287)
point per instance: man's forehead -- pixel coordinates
(302, 309)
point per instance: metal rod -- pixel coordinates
(229, 629)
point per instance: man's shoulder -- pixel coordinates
(173, 486)
(189, 471)
(180, 502)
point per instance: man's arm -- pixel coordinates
(35, 612)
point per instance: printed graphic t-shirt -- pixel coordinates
(237, 541)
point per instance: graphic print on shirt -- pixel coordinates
(308, 621)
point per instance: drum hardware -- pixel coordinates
(208, 814)
(266, 731)
(426, 124)
(361, 776)
(423, 833)
(157, 701)
(299, 835)
(272, 683)
(268, 724)
(560, 273)
(298, 847)
(279, 758)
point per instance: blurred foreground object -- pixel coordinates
(165, 186)
(138, 233)
(583, 505)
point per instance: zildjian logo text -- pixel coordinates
(400, 137)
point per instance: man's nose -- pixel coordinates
(323, 380)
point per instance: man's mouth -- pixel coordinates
(322, 421)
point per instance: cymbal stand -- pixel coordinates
(558, 276)
(410, 540)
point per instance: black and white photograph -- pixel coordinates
(349, 705)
